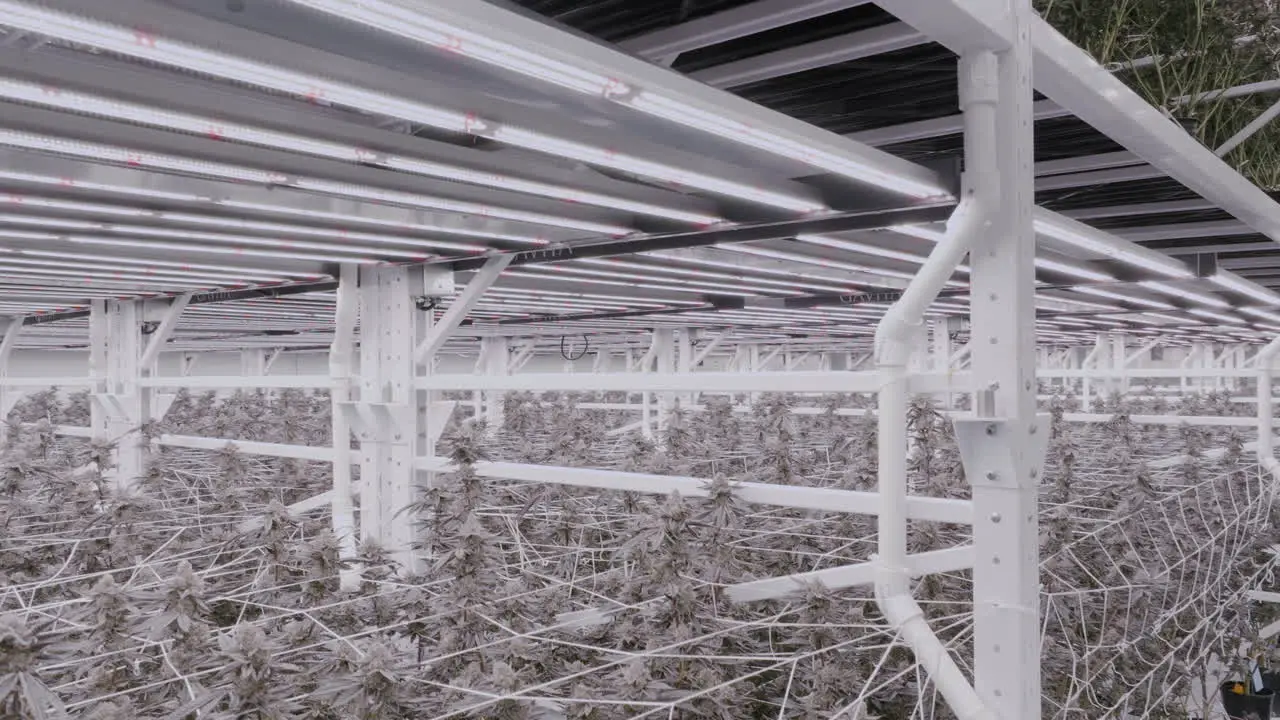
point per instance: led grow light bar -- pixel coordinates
(1208, 300)
(1043, 263)
(1087, 238)
(224, 171)
(1200, 312)
(1235, 283)
(78, 102)
(1087, 290)
(26, 200)
(211, 249)
(424, 26)
(146, 46)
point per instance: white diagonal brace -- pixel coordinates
(709, 348)
(10, 340)
(461, 307)
(1141, 351)
(162, 333)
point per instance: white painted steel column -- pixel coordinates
(122, 398)
(341, 370)
(8, 396)
(388, 407)
(1119, 356)
(494, 352)
(253, 362)
(664, 345)
(684, 359)
(1006, 523)
(1265, 363)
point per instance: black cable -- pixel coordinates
(586, 346)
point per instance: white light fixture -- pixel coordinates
(74, 183)
(330, 187)
(224, 171)
(418, 25)
(1235, 283)
(919, 231)
(1168, 318)
(76, 268)
(337, 247)
(78, 102)
(136, 158)
(810, 260)
(126, 41)
(1087, 290)
(1200, 312)
(332, 234)
(211, 249)
(378, 222)
(865, 249)
(1096, 241)
(1072, 270)
(1259, 312)
(181, 265)
(1185, 294)
(639, 166)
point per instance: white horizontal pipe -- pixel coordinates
(249, 447)
(807, 381)
(793, 496)
(231, 382)
(847, 576)
(46, 381)
(1133, 373)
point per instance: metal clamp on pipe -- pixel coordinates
(973, 216)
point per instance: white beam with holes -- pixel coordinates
(461, 306)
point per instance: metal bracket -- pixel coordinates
(113, 406)
(377, 421)
(990, 450)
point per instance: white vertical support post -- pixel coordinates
(8, 397)
(389, 408)
(1265, 365)
(1006, 525)
(99, 330)
(940, 355)
(1119, 353)
(341, 362)
(495, 351)
(1188, 361)
(664, 346)
(1095, 359)
(122, 399)
(684, 359)
(253, 362)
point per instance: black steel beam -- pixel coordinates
(839, 222)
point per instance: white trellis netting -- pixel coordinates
(547, 601)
